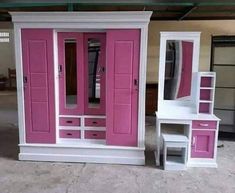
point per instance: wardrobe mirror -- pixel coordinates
(94, 73)
(70, 46)
(178, 69)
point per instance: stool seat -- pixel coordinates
(174, 138)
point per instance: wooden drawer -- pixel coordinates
(94, 134)
(70, 134)
(95, 122)
(204, 124)
(64, 121)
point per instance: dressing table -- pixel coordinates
(186, 99)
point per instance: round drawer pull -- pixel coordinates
(94, 122)
(69, 121)
(69, 134)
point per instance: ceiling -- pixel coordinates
(162, 10)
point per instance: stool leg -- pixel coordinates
(186, 156)
(164, 155)
(183, 154)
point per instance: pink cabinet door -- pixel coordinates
(123, 49)
(186, 71)
(71, 78)
(202, 145)
(94, 73)
(38, 71)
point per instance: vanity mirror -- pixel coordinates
(179, 53)
(178, 69)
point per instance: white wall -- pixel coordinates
(6, 50)
(207, 29)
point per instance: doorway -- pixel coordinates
(223, 63)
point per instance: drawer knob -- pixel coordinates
(69, 121)
(94, 122)
(69, 134)
(94, 134)
(204, 124)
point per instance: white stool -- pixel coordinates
(175, 141)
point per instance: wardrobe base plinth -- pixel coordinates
(131, 156)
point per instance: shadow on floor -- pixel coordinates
(149, 158)
(8, 125)
(9, 143)
(227, 136)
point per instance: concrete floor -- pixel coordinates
(45, 177)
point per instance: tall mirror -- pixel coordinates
(94, 72)
(178, 69)
(178, 61)
(70, 46)
(94, 57)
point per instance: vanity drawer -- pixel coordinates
(94, 134)
(64, 121)
(204, 124)
(70, 134)
(95, 122)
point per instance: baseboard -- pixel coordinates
(202, 162)
(79, 154)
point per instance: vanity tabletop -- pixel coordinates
(185, 116)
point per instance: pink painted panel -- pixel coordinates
(40, 114)
(95, 122)
(64, 121)
(206, 81)
(123, 81)
(70, 134)
(38, 68)
(205, 94)
(39, 94)
(38, 80)
(122, 119)
(79, 108)
(123, 49)
(186, 73)
(122, 97)
(204, 124)
(102, 74)
(202, 144)
(204, 107)
(94, 134)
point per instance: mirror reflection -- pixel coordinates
(178, 69)
(71, 72)
(94, 72)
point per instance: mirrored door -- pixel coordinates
(94, 73)
(70, 52)
(81, 73)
